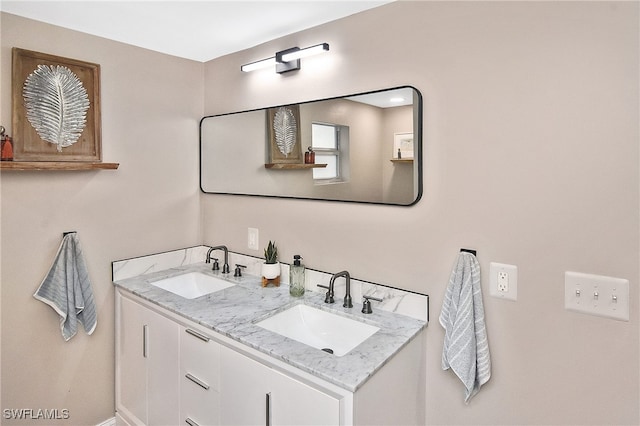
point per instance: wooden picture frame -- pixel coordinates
(279, 121)
(27, 144)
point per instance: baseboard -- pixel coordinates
(108, 422)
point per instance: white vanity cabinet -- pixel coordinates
(147, 379)
(254, 394)
(172, 371)
(199, 378)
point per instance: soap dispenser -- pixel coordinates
(296, 277)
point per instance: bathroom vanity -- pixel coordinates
(207, 360)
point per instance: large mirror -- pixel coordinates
(363, 148)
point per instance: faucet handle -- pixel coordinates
(238, 271)
(216, 265)
(328, 298)
(366, 304)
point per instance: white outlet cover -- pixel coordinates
(253, 238)
(512, 272)
(597, 295)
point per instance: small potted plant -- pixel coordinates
(271, 266)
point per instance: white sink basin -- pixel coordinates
(319, 329)
(192, 284)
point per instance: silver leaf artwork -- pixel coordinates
(285, 129)
(56, 103)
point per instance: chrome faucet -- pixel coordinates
(330, 294)
(225, 267)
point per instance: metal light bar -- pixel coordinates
(286, 66)
(308, 51)
(263, 63)
(286, 60)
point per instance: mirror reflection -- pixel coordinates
(363, 148)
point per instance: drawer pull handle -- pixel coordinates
(191, 422)
(267, 420)
(198, 335)
(145, 341)
(197, 381)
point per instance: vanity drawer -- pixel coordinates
(199, 407)
(199, 360)
(199, 378)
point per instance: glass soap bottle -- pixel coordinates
(296, 277)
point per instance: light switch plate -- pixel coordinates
(253, 238)
(597, 295)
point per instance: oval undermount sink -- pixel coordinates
(192, 284)
(319, 329)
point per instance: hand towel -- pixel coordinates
(67, 289)
(466, 349)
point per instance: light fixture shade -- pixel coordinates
(308, 51)
(286, 60)
(263, 63)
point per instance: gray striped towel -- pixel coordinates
(466, 349)
(67, 289)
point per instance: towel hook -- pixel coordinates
(464, 250)
(64, 234)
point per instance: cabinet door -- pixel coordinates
(294, 403)
(163, 366)
(147, 365)
(131, 379)
(254, 394)
(199, 378)
(243, 390)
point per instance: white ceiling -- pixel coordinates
(386, 98)
(198, 30)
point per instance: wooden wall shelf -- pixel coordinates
(402, 160)
(285, 166)
(56, 165)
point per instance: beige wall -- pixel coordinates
(397, 178)
(151, 104)
(531, 157)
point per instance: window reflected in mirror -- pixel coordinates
(330, 143)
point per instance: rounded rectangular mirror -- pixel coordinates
(363, 148)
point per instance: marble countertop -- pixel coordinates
(234, 311)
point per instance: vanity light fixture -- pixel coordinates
(286, 60)
(263, 63)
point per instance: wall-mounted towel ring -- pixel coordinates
(473, 252)
(64, 234)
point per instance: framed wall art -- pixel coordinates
(55, 108)
(284, 145)
(403, 146)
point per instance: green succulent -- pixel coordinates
(271, 253)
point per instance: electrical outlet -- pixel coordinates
(253, 240)
(503, 281)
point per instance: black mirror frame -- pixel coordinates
(418, 151)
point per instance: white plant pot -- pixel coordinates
(271, 270)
